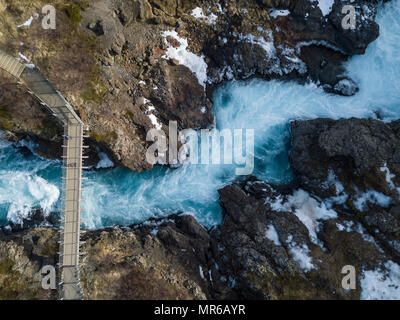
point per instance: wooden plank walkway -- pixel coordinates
(39, 86)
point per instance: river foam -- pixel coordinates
(26, 182)
(118, 196)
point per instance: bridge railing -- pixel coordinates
(51, 98)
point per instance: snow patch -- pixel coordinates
(389, 178)
(154, 120)
(274, 13)
(28, 65)
(301, 255)
(201, 272)
(345, 226)
(226, 73)
(267, 45)
(195, 63)
(339, 227)
(333, 180)
(366, 237)
(272, 235)
(198, 14)
(381, 284)
(23, 57)
(27, 23)
(295, 62)
(325, 6)
(341, 197)
(374, 197)
(266, 42)
(307, 209)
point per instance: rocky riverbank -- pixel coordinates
(274, 242)
(134, 65)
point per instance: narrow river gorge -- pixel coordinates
(121, 197)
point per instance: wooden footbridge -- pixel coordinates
(73, 147)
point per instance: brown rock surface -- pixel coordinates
(130, 263)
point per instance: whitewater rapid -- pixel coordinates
(121, 197)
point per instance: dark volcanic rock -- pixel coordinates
(355, 149)
(363, 156)
(356, 41)
(35, 219)
(258, 252)
(258, 265)
(271, 244)
(180, 97)
(306, 43)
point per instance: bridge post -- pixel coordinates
(52, 99)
